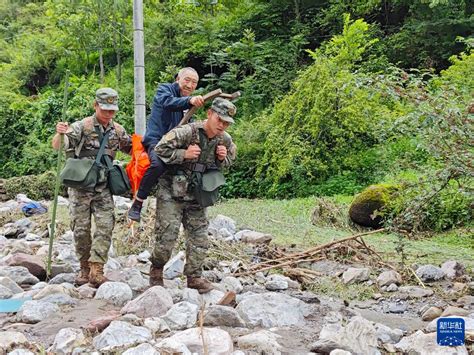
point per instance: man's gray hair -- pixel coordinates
(186, 69)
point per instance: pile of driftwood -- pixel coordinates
(352, 248)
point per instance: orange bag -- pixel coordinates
(139, 163)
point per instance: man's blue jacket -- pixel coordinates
(166, 112)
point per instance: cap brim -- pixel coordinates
(226, 118)
(109, 107)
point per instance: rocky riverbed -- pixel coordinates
(271, 313)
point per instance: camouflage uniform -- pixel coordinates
(84, 204)
(176, 204)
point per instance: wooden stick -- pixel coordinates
(209, 96)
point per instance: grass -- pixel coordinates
(289, 221)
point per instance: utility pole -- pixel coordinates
(139, 67)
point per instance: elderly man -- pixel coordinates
(167, 111)
(189, 151)
(82, 139)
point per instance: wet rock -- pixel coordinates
(262, 342)
(142, 349)
(231, 283)
(154, 302)
(453, 269)
(421, 343)
(19, 274)
(355, 275)
(132, 277)
(182, 315)
(175, 266)
(222, 222)
(33, 263)
(455, 311)
(431, 313)
(429, 273)
(412, 292)
(272, 310)
(117, 293)
(9, 339)
(119, 335)
(217, 340)
(10, 284)
(219, 316)
(387, 278)
(63, 277)
(253, 237)
(156, 325)
(66, 340)
(36, 311)
(5, 293)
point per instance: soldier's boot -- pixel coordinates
(200, 284)
(96, 276)
(156, 276)
(135, 211)
(83, 276)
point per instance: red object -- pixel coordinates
(139, 163)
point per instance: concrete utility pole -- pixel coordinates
(139, 67)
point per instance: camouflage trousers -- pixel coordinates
(170, 213)
(82, 206)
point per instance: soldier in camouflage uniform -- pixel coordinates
(81, 139)
(194, 147)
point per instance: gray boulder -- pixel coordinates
(9, 339)
(429, 273)
(421, 343)
(142, 349)
(182, 315)
(63, 277)
(262, 342)
(18, 274)
(119, 335)
(154, 302)
(36, 311)
(411, 292)
(220, 222)
(117, 293)
(131, 276)
(10, 284)
(387, 278)
(5, 292)
(355, 275)
(219, 316)
(453, 269)
(66, 340)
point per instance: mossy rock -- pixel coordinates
(366, 209)
(36, 187)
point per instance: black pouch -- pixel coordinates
(118, 181)
(206, 186)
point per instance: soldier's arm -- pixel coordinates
(173, 145)
(125, 142)
(72, 134)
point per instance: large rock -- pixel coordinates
(218, 341)
(366, 207)
(389, 277)
(421, 343)
(119, 335)
(117, 293)
(55, 289)
(453, 269)
(181, 316)
(9, 339)
(154, 302)
(272, 310)
(208, 299)
(18, 274)
(36, 311)
(468, 324)
(156, 325)
(63, 277)
(262, 342)
(5, 293)
(455, 311)
(355, 275)
(175, 266)
(219, 316)
(66, 340)
(143, 349)
(253, 237)
(222, 222)
(431, 313)
(231, 283)
(60, 299)
(131, 276)
(411, 292)
(430, 273)
(33, 263)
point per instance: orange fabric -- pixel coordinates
(138, 164)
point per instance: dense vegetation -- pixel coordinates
(337, 95)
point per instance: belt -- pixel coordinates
(91, 153)
(198, 167)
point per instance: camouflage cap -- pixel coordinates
(224, 108)
(107, 99)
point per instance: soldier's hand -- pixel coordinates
(62, 127)
(193, 152)
(221, 152)
(197, 101)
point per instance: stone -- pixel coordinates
(171, 346)
(276, 285)
(430, 273)
(120, 335)
(281, 278)
(421, 343)
(85, 291)
(154, 302)
(221, 221)
(412, 292)
(10, 284)
(116, 293)
(142, 349)
(466, 301)
(217, 340)
(231, 283)
(144, 256)
(156, 325)
(455, 311)
(208, 299)
(387, 335)
(9, 339)
(355, 275)
(30, 237)
(263, 342)
(99, 324)
(468, 324)
(66, 254)
(33, 263)
(397, 307)
(470, 288)
(60, 299)
(453, 269)
(431, 313)
(66, 340)
(63, 277)
(175, 266)
(36, 311)
(389, 277)
(392, 288)
(253, 237)
(54, 289)
(131, 276)
(340, 352)
(272, 310)
(182, 315)
(18, 274)
(122, 203)
(5, 293)
(21, 352)
(222, 316)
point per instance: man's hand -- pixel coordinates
(221, 152)
(193, 152)
(197, 101)
(62, 127)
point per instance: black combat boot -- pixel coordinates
(135, 211)
(156, 276)
(200, 284)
